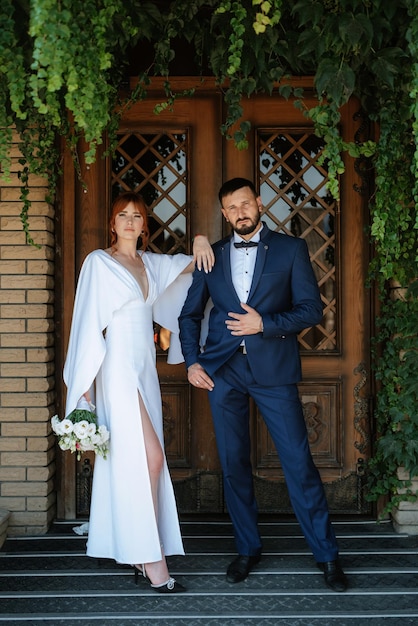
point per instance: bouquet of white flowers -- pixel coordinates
(80, 432)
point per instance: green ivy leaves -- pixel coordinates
(62, 74)
(264, 18)
(59, 75)
(71, 45)
(397, 399)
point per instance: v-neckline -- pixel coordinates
(145, 298)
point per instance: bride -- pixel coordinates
(111, 361)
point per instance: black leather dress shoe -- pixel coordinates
(240, 567)
(334, 575)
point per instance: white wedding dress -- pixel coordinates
(111, 351)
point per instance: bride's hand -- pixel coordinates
(203, 254)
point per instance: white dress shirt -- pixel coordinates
(242, 266)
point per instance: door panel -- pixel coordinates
(174, 161)
(335, 353)
(178, 161)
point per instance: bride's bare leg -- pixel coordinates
(157, 572)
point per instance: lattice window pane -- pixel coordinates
(296, 202)
(155, 165)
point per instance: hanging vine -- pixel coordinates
(72, 60)
(59, 75)
(412, 39)
(394, 230)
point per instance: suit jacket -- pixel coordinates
(285, 293)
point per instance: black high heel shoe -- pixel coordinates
(170, 586)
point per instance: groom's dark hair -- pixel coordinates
(233, 185)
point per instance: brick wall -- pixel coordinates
(27, 452)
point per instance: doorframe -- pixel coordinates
(75, 199)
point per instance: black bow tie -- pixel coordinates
(245, 244)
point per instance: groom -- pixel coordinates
(264, 293)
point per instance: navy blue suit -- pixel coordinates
(285, 293)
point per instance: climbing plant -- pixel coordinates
(394, 232)
(63, 63)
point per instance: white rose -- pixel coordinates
(86, 444)
(91, 430)
(104, 433)
(96, 439)
(66, 426)
(56, 425)
(81, 429)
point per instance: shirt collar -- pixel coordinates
(255, 238)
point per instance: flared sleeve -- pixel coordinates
(172, 291)
(102, 288)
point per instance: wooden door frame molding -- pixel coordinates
(208, 84)
(77, 202)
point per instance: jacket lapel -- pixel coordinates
(226, 262)
(263, 247)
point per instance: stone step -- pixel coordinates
(50, 580)
(214, 603)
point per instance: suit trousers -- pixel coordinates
(282, 412)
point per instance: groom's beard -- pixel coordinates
(246, 229)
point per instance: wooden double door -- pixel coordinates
(177, 161)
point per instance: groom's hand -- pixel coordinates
(249, 323)
(198, 377)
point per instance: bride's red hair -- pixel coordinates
(119, 204)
